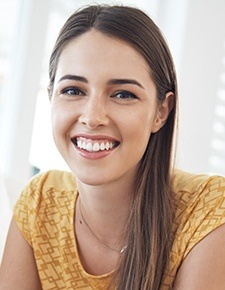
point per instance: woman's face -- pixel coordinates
(104, 108)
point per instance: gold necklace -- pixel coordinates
(93, 234)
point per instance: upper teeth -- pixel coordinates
(90, 146)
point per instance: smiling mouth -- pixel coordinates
(94, 145)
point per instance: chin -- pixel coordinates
(91, 178)
(92, 181)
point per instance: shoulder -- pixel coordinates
(41, 186)
(45, 186)
(44, 195)
(190, 182)
(61, 180)
(195, 189)
(199, 208)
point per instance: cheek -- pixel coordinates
(142, 121)
(56, 120)
(137, 128)
(61, 120)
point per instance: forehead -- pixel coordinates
(96, 40)
(95, 46)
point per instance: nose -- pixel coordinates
(94, 113)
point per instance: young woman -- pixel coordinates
(123, 218)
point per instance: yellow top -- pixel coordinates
(45, 216)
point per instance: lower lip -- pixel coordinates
(94, 155)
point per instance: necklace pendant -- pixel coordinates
(123, 249)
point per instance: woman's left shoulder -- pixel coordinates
(199, 210)
(197, 188)
(199, 236)
(199, 202)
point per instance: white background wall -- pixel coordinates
(200, 81)
(195, 30)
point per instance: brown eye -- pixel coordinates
(73, 92)
(124, 95)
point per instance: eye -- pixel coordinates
(72, 91)
(124, 95)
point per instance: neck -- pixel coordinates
(106, 210)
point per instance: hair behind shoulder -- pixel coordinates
(144, 262)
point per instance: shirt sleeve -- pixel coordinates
(205, 213)
(25, 211)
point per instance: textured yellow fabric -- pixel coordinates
(45, 216)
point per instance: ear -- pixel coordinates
(163, 112)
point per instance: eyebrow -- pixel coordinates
(124, 82)
(74, 78)
(109, 82)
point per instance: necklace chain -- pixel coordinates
(93, 234)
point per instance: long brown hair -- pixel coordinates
(142, 265)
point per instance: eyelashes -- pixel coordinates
(72, 91)
(124, 95)
(119, 96)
